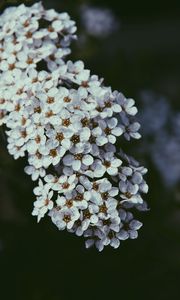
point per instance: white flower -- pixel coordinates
(15, 150)
(34, 172)
(76, 160)
(65, 217)
(65, 183)
(108, 212)
(130, 129)
(127, 104)
(43, 202)
(110, 131)
(129, 226)
(130, 192)
(78, 198)
(37, 141)
(125, 172)
(60, 136)
(111, 163)
(20, 136)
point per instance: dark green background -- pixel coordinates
(37, 262)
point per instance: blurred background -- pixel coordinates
(136, 48)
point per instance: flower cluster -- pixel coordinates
(67, 123)
(29, 35)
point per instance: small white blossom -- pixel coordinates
(43, 202)
(64, 218)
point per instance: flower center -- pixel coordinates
(86, 214)
(108, 104)
(50, 100)
(67, 218)
(67, 99)
(66, 122)
(37, 139)
(53, 152)
(79, 197)
(95, 186)
(65, 185)
(75, 139)
(49, 114)
(107, 163)
(107, 130)
(29, 34)
(85, 122)
(103, 209)
(38, 154)
(128, 195)
(104, 195)
(29, 61)
(2, 101)
(23, 121)
(59, 136)
(11, 67)
(69, 203)
(24, 134)
(37, 110)
(78, 156)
